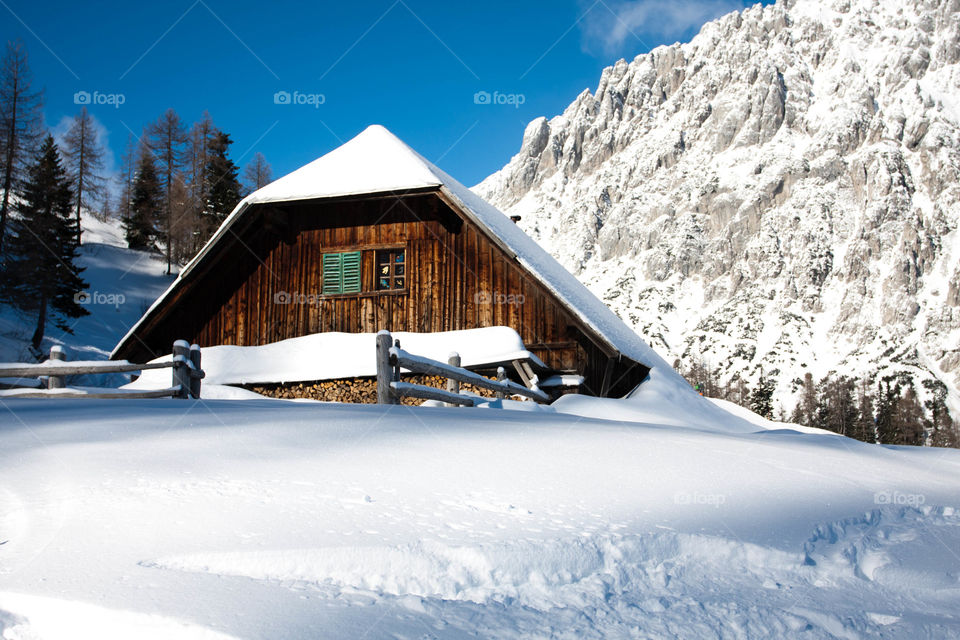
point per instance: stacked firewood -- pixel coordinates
(358, 390)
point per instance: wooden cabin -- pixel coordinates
(372, 236)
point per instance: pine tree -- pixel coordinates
(938, 423)
(948, 435)
(806, 407)
(836, 407)
(106, 208)
(146, 204)
(126, 179)
(737, 391)
(41, 269)
(909, 419)
(198, 183)
(696, 374)
(711, 384)
(864, 428)
(20, 125)
(224, 192)
(167, 139)
(761, 399)
(257, 174)
(887, 400)
(83, 157)
(821, 411)
(184, 220)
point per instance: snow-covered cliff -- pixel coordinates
(781, 192)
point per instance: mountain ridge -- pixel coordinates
(780, 194)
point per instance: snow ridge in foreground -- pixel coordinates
(266, 519)
(676, 583)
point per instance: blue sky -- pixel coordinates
(414, 66)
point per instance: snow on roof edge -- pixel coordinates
(585, 305)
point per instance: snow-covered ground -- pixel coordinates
(275, 519)
(661, 515)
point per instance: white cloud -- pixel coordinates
(643, 24)
(59, 130)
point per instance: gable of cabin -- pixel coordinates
(401, 261)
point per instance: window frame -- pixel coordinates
(368, 270)
(392, 263)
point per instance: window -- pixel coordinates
(341, 273)
(391, 270)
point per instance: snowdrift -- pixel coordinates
(326, 356)
(266, 519)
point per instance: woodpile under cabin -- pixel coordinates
(372, 236)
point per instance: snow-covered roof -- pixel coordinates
(376, 161)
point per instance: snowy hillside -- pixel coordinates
(270, 519)
(123, 283)
(781, 192)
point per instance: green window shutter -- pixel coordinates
(341, 273)
(350, 272)
(332, 279)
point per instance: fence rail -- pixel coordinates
(67, 393)
(9, 370)
(184, 364)
(391, 358)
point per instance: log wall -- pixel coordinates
(265, 284)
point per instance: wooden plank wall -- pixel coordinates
(266, 285)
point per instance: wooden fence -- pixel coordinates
(391, 358)
(184, 363)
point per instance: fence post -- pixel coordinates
(396, 367)
(195, 374)
(453, 386)
(56, 353)
(501, 376)
(384, 370)
(181, 370)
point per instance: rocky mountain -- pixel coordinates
(782, 193)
